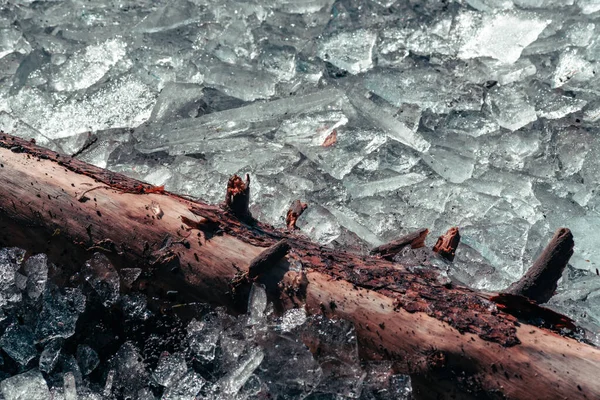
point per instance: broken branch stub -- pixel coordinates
(268, 258)
(414, 239)
(447, 243)
(295, 211)
(540, 281)
(237, 198)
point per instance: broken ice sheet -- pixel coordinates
(171, 16)
(88, 66)
(385, 185)
(103, 277)
(244, 83)
(572, 69)
(188, 136)
(185, 388)
(26, 386)
(448, 164)
(551, 104)
(511, 107)
(170, 368)
(502, 35)
(59, 314)
(234, 380)
(350, 51)
(18, 342)
(438, 91)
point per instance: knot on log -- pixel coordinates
(237, 198)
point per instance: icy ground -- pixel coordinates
(480, 114)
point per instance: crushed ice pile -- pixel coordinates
(384, 116)
(94, 341)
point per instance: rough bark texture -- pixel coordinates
(455, 342)
(539, 283)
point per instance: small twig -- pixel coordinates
(414, 239)
(83, 199)
(447, 243)
(540, 281)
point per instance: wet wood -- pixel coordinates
(448, 335)
(414, 239)
(540, 281)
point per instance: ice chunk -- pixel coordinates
(589, 6)
(26, 386)
(135, 306)
(36, 268)
(50, 354)
(19, 343)
(130, 370)
(320, 224)
(243, 83)
(233, 381)
(185, 388)
(449, 165)
(501, 35)
(552, 105)
(257, 304)
(508, 73)
(86, 67)
(11, 40)
(350, 51)
(438, 91)
(177, 100)
(59, 313)
(9, 284)
(383, 185)
(129, 275)
(394, 128)
(174, 15)
(203, 336)
(470, 123)
(191, 136)
(572, 67)
(69, 386)
(103, 277)
(510, 107)
(170, 368)
(292, 319)
(87, 358)
(279, 61)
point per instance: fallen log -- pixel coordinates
(455, 342)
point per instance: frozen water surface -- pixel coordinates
(384, 116)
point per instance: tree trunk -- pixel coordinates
(455, 342)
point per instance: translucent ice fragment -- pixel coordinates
(292, 319)
(170, 368)
(59, 314)
(552, 105)
(36, 268)
(26, 386)
(171, 16)
(572, 67)
(257, 304)
(510, 107)
(392, 126)
(350, 51)
(129, 275)
(501, 35)
(448, 164)
(87, 358)
(234, 380)
(384, 185)
(130, 370)
(240, 82)
(103, 277)
(50, 354)
(203, 336)
(185, 388)
(69, 386)
(88, 66)
(18, 342)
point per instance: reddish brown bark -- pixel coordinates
(465, 341)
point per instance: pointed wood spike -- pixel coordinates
(237, 197)
(268, 258)
(540, 281)
(414, 239)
